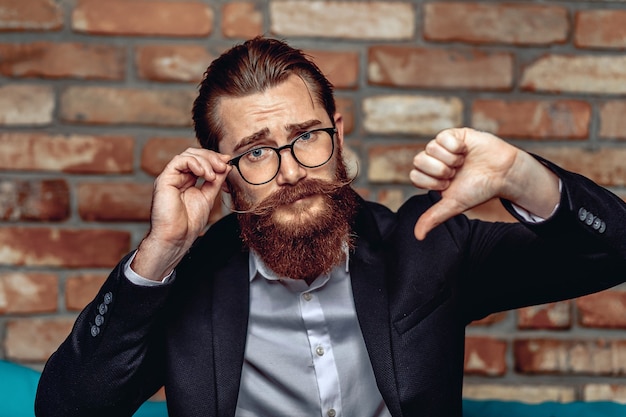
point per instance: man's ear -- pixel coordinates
(225, 187)
(338, 119)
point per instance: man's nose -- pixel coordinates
(290, 171)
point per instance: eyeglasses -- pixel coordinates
(311, 149)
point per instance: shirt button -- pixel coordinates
(307, 296)
(332, 412)
(102, 308)
(99, 320)
(108, 298)
(95, 330)
(319, 350)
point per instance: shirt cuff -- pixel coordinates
(137, 279)
(532, 218)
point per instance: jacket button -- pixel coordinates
(582, 214)
(589, 220)
(108, 298)
(95, 330)
(102, 309)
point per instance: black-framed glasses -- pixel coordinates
(310, 149)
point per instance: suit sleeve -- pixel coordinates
(112, 360)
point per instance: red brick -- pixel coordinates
(606, 309)
(519, 24)
(551, 316)
(157, 152)
(346, 20)
(604, 165)
(107, 105)
(143, 18)
(31, 15)
(534, 119)
(26, 105)
(570, 357)
(391, 197)
(407, 66)
(490, 319)
(612, 120)
(34, 340)
(38, 246)
(72, 154)
(184, 63)
(341, 67)
(62, 60)
(27, 200)
(485, 356)
(601, 74)
(600, 29)
(113, 201)
(32, 292)
(81, 289)
(242, 19)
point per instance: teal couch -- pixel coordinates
(18, 385)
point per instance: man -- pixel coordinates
(309, 301)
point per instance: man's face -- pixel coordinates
(300, 221)
(274, 118)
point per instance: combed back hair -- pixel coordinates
(249, 68)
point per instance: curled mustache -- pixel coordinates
(289, 195)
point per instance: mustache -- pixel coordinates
(291, 194)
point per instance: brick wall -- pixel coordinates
(95, 97)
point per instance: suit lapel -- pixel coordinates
(230, 323)
(368, 277)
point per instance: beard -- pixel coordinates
(314, 241)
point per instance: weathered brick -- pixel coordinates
(72, 154)
(81, 289)
(612, 120)
(606, 309)
(391, 163)
(529, 394)
(26, 105)
(407, 66)
(109, 201)
(242, 19)
(601, 74)
(570, 357)
(31, 15)
(519, 24)
(32, 292)
(534, 119)
(62, 60)
(604, 165)
(341, 67)
(347, 20)
(551, 316)
(185, 63)
(485, 356)
(142, 18)
(345, 106)
(24, 200)
(416, 115)
(106, 105)
(34, 340)
(157, 152)
(600, 29)
(38, 246)
(604, 392)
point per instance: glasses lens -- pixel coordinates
(259, 165)
(314, 148)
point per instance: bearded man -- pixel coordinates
(308, 300)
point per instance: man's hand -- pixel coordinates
(470, 167)
(180, 209)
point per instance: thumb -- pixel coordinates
(441, 211)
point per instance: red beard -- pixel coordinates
(309, 248)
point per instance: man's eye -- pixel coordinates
(258, 154)
(306, 136)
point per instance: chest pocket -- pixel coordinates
(423, 310)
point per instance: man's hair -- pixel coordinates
(253, 67)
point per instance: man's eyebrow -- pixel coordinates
(264, 133)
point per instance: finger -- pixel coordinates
(435, 215)
(428, 182)
(453, 140)
(443, 154)
(433, 167)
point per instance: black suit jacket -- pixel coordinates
(413, 300)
